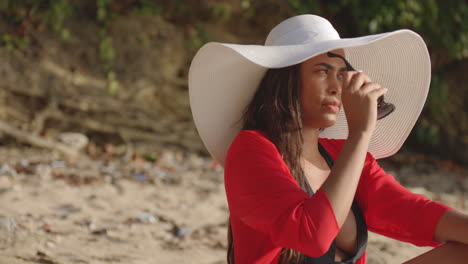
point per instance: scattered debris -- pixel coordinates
(147, 218)
(7, 232)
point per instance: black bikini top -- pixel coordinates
(329, 257)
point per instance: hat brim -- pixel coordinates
(224, 77)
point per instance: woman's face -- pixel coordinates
(321, 81)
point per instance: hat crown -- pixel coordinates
(301, 30)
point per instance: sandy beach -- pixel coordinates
(167, 208)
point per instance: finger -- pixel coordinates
(370, 86)
(347, 76)
(366, 77)
(378, 92)
(357, 81)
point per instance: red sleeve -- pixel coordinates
(262, 193)
(394, 211)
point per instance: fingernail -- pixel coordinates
(359, 70)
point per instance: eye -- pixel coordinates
(341, 75)
(325, 71)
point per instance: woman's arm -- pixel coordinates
(342, 182)
(393, 211)
(359, 96)
(452, 227)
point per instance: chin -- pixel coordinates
(320, 123)
(328, 123)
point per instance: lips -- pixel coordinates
(332, 106)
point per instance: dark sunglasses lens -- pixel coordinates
(380, 100)
(384, 109)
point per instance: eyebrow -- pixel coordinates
(329, 66)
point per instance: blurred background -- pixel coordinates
(116, 70)
(100, 159)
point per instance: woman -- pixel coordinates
(295, 196)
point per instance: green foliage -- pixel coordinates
(112, 83)
(443, 25)
(152, 157)
(222, 10)
(15, 11)
(56, 14)
(305, 6)
(438, 99)
(428, 130)
(197, 37)
(106, 47)
(25, 14)
(12, 42)
(249, 10)
(16, 14)
(104, 16)
(104, 12)
(148, 7)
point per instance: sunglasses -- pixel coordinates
(383, 108)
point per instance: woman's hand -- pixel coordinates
(359, 97)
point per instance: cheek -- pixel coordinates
(311, 93)
(309, 103)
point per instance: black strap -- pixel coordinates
(361, 229)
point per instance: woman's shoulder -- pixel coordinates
(251, 138)
(252, 141)
(251, 145)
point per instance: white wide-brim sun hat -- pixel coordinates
(223, 79)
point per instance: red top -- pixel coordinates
(269, 211)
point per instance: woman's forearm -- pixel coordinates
(452, 226)
(342, 182)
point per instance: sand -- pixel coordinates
(136, 211)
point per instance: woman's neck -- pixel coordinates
(310, 150)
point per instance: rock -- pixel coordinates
(181, 231)
(147, 218)
(68, 208)
(7, 170)
(50, 244)
(44, 171)
(74, 140)
(7, 232)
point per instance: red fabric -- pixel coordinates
(270, 212)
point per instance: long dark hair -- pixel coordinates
(275, 109)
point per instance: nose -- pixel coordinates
(334, 86)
